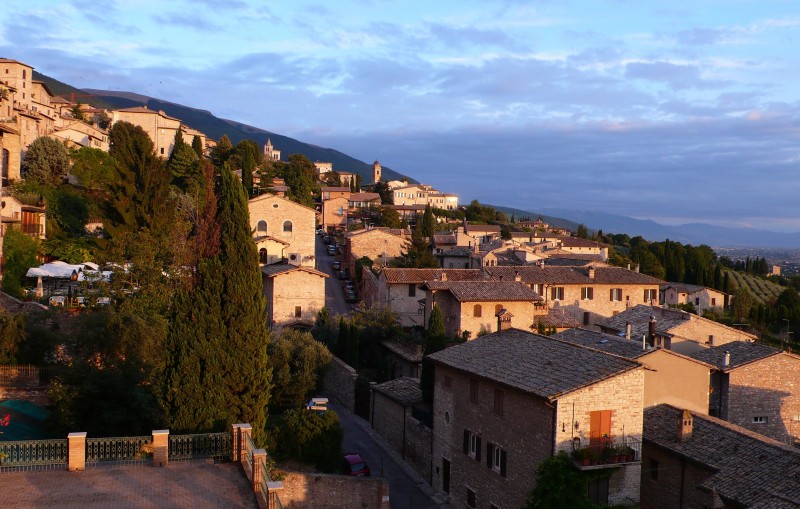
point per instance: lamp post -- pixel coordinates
(786, 337)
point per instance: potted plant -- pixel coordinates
(582, 456)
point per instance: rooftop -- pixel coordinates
(283, 268)
(666, 321)
(400, 276)
(603, 342)
(741, 353)
(574, 275)
(481, 291)
(531, 363)
(750, 470)
(404, 390)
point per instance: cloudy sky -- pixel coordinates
(679, 111)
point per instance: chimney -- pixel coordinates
(444, 276)
(685, 426)
(628, 330)
(629, 266)
(591, 272)
(726, 361)
(541, 262)
(636, 267)
(517, 277)
(651, 331)
(503, 320)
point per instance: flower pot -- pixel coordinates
(585, 461)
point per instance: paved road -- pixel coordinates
(334, 295)
(405, 491)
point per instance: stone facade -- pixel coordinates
(675, 380)
(374, 244)
(294, 296)
(475, 317)
(701, 297)
(339, 382)
(289, 223)
(334, 212)
(669, 481)
(158, 125)
(311, 491)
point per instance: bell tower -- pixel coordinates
(376, 172)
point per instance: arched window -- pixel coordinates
(262, 255)
(262, 227)
(498, 308)
(477, 311)
(287, 226)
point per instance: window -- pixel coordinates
(598, 490)
(587, 293)
(470, 498)
(538, 288)
(615, 295)
(650, 294)
(710, 340)
(713, 301)
(760, 419)
(493, 506)
(497, 408)
(287, 226)
(477, 311)
(653, 470)
(162, 151)
(473, 391)
(472, 445)
(298, 311)
(262, 255)
(412, 290)
(262, 227)
(696, 301)
(557, 293)
(496, 458)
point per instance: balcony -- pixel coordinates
(600, 456)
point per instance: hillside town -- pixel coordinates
(490, 357)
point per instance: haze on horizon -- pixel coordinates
(678, 112)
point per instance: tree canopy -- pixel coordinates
(46, 161)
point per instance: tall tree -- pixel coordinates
(418, 252)
(182, 162)
(46, 161)
(428, 223)
(197, 146)
(222, 151)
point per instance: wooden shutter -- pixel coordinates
(489, 454)
(599, 425)
(477, 448)
(466, 441)
(503, 462)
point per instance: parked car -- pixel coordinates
(354, 464)
(57, 300)
(343, 275)
(331, 250)
(337, 265)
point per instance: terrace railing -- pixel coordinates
(33, 454)
(118, 450)
(208, 445)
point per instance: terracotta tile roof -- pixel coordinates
(404, 390)
(492, 228)
(666, 320)
(364, 197)
(574, 275)
(409, 352)
(458, 251)
(441, 239)
(333, 189)
(408, 276)
(535, 364)
(557, 318)
(687, 288)
(741, 353)
(556, 254)
(277, 269)
(604, 342)
(750, 470)
(480, 291)
(269, 237)
(579, 242)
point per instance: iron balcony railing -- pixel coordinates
(608, 455)
(273, 500)
(207, 445)
(249, 447)
(33, 454)
(118, 449)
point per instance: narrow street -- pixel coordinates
(405, 491)
(334, 295)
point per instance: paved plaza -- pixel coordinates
(180, 485)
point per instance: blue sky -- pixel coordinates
(680, 111)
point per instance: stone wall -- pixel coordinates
(405, 434)
(418, 447)
(663, 475)
(340, 383)
(275, 211)
(312, 491)
(769, 388)
(693, 334)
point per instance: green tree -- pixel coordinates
(297, 361)
(742, 302)
(182, 162)
(418, 252)
(582, 231)
(558, 484)
(300, 176)
(12, 335)
(197, 146)
(19, 252)
(386, 194)
(94, 168)
(221, 151)
(428, 223)
(389, 218)
(435, 340)
(46, 161)
(310, 437)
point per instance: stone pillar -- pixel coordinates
(273, 487)
(76, 455)
(258, 456)
(245, 430)
(160, 447)
(236, 445)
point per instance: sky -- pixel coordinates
(679, 111)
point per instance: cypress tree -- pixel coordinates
(248, 166)
(197, 146)
(428, 223)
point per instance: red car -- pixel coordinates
(355, 465)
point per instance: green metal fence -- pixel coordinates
(118, 450)
(33, 454)
(274, 501)
(207, 445)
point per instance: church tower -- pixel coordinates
(376, 172)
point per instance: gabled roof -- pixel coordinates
(666, 321)
(604, 342)
(259, 238)
(574, 275)
(335, 189)
(417, 276)
(556, 317)
(404, 390)
(687, 288)
(741, 353)
(481, 291)
(266, 197)
(579, 242)
(284, 268)
(749, 469)
(364, 196)
(444, 238)
(458, 252)
(494, 228)
(531, 363)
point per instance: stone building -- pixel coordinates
(473, 307)
(756, 387)
(283, 230)
(701, 297)
(590, 294)
(672, 329)
(402, 290)
(270, 152)
(381, 245)
(294, 294)
(670, 377)
(160, 127)
(505, 402)
(698, 461)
